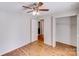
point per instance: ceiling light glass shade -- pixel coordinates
(37, 13)
(34, 12)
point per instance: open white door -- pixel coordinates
(78, 35)
(47, 31)
(34, 30)
(50, 31)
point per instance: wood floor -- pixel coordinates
(38, 48)
(41, 37)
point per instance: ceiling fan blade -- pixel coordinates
(43, 9)
(26, 7)
(40, 4)
(30, 11)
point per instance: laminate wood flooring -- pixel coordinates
(38, 48)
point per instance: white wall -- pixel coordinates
(65, 14)
(14, 31)
(64, 28)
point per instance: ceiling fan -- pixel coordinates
(35, 8)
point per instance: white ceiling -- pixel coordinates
(54, 7)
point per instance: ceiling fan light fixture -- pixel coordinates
(35, 8)
(35, 13)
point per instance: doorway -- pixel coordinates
(41, 30)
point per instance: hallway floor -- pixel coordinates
(38, 48)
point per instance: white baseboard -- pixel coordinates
(9, 50)
(67, 43)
